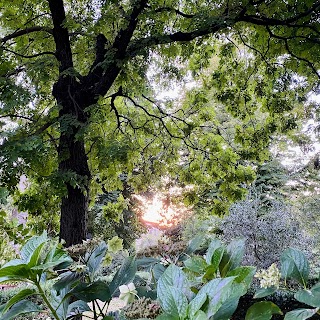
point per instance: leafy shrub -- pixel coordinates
(110, 216)
(13, 233)
(268, 231)
(208, 287)
(75, 284)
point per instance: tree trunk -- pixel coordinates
(74, 206)
(73, 161)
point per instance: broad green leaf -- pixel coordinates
(27, 251)
(194, 245)
(200, 315)
(214, 253)
(146, 292)
(227, 308)
(66, 278)
(60, 301)
(56, 257)
(300, 314)
(21, 307)
(35, 256)
(263, 292)
(91, 291)
(158, 270)
(124, 275)
(13, 262)
(77, 307)
(20, 272)
(295, 265)
(18, 297)
(232, 257)
(94, 261)
(196, 264)
(196, 303)
(172, 300)
(146, 262)
(244, 275)
(262, 311)
(166, 316)
(218, 292)
(309, 297)
(174, 276)
(210, 273)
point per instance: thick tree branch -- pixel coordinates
(140, 45)
(60, 34)
(19, 33)
(45, 127)
(116, 54)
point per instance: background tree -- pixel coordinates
(74, 85)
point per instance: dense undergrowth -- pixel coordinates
(166, 279)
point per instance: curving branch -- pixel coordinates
(289, 50)
(13, 72)
(290, 22)
(25, 31)
(11, 115)
(113, 107)
(117, 52)
(140, 45)
(29, 56)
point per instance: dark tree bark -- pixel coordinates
(73, 161)
(72, 158)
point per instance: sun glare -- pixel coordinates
(157, 212)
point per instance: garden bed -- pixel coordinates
(284, 304)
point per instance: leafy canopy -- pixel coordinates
(252, 64)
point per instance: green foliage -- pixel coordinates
(13, 233)
(42, 259)
(247, 74)
(205, 288)
(295, 266)
(206, 295)
(262, 311)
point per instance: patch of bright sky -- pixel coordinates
(295, 157)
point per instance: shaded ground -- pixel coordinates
(285, 305)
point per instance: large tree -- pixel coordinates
(73, 70)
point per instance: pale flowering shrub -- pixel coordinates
(150, 239)
(269, 277)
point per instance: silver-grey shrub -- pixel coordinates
(268, 230)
